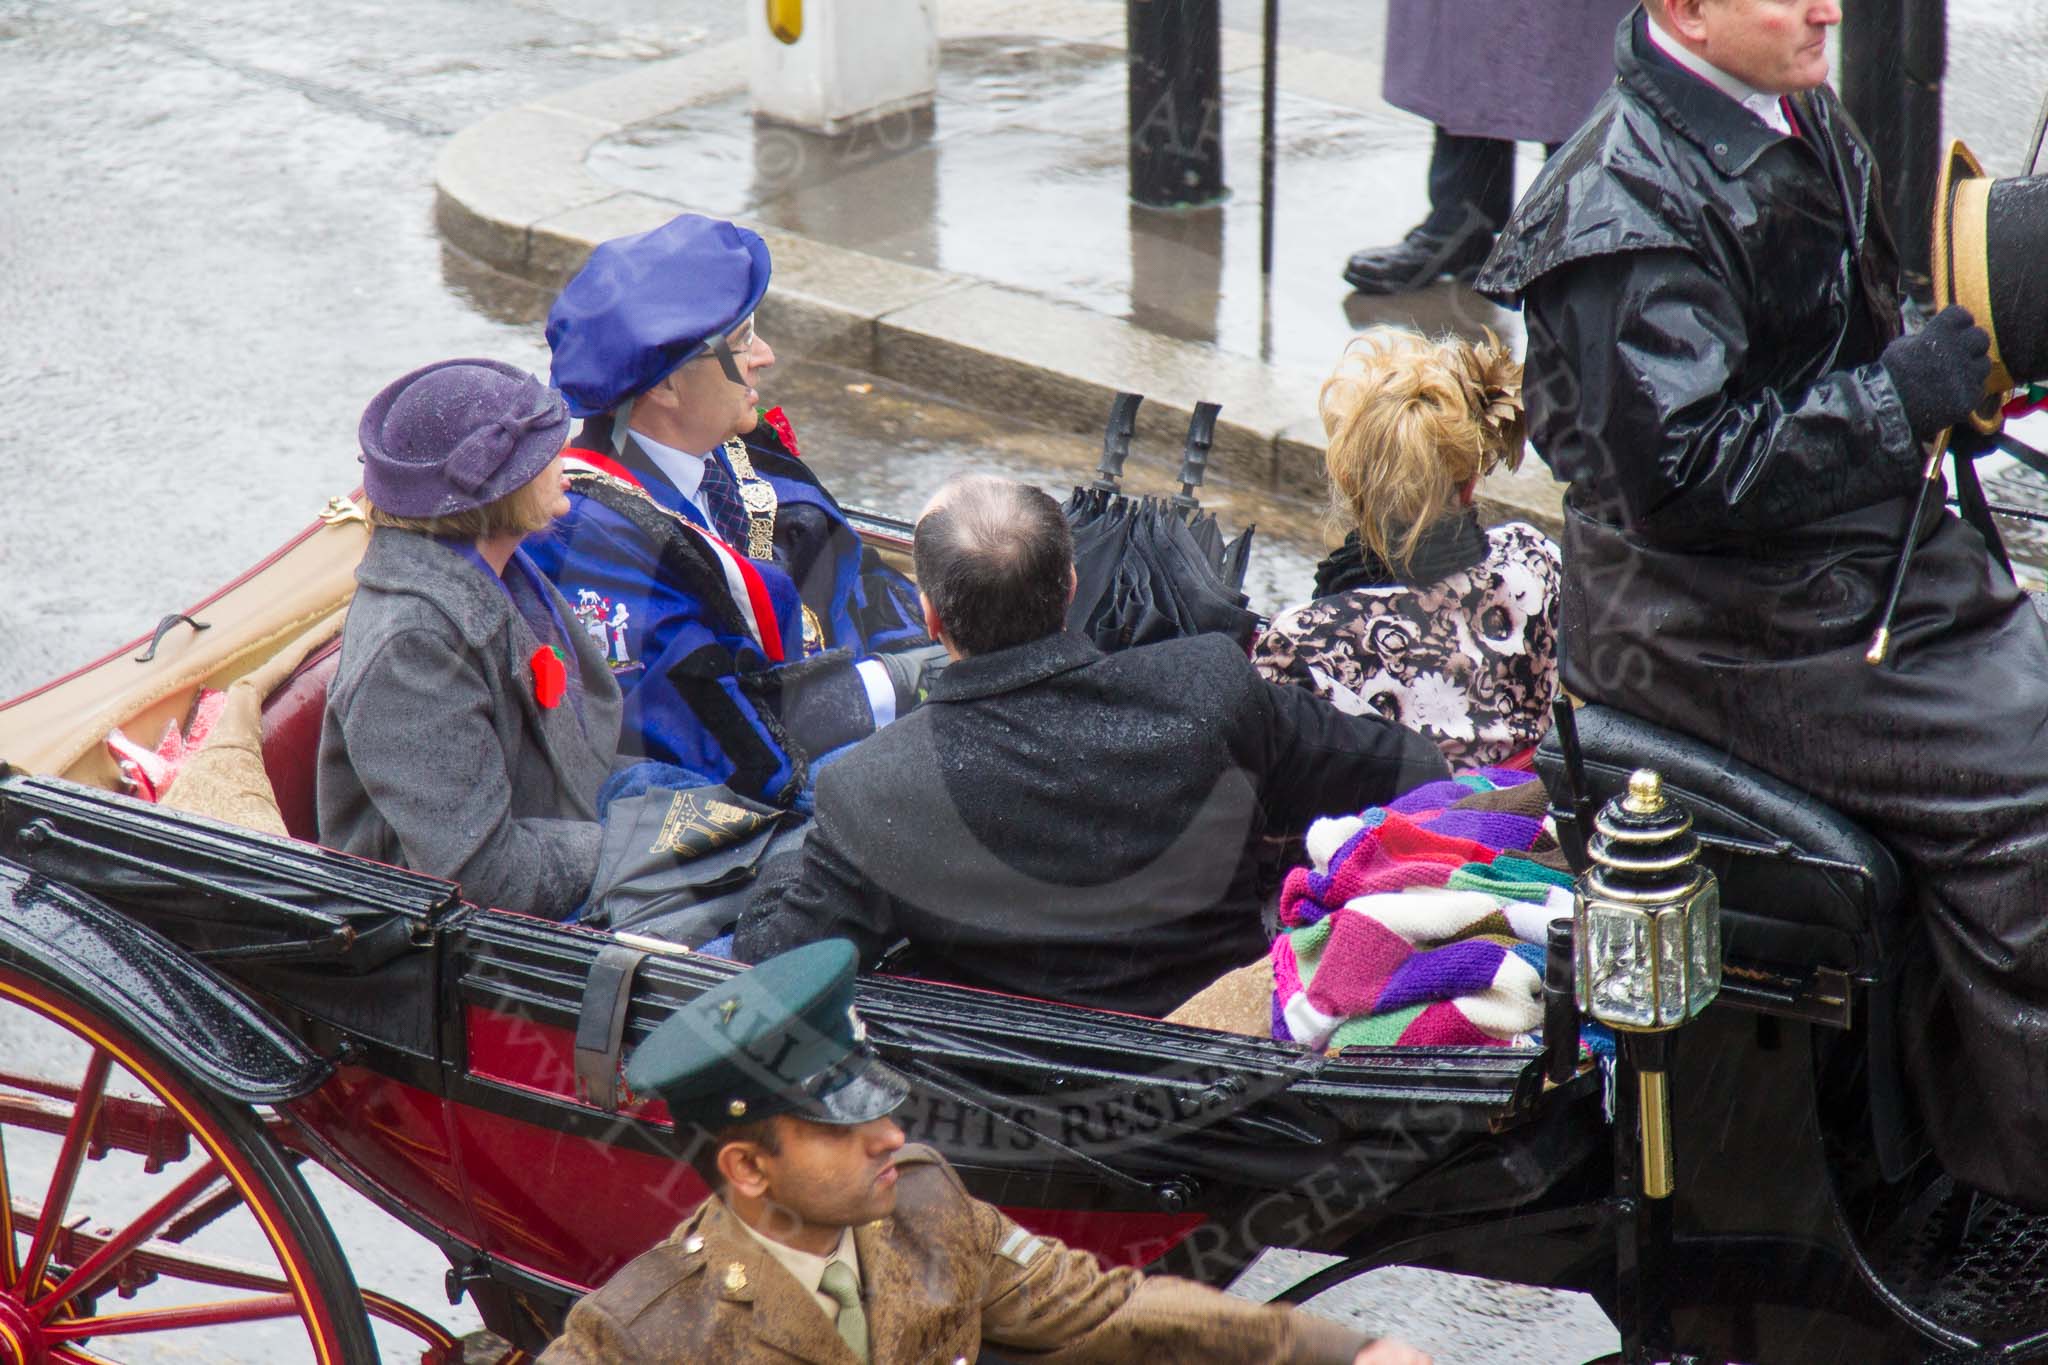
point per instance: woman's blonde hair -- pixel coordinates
(524, 510)
(1410, 421)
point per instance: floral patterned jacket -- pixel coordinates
(1470, 660)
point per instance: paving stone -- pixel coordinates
(558, 246)
(1016, 352)
(498, 177)
(1082, 20)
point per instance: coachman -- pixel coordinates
(1716, 367)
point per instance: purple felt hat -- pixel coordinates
(458, 434)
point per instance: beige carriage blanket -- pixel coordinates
(224, 779)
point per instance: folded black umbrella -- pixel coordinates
(1153, 569)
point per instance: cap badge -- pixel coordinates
(738, 1109)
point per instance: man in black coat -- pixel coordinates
(1057, 822)
(1715, 365)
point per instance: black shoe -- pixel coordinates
(1420, 259)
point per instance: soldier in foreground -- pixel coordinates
(826, 1239)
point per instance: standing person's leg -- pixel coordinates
(1469, 177)
(1471, 191)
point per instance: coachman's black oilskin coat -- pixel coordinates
(1707, 301)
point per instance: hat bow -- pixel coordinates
(484, 451)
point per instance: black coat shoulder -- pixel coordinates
(1622, 183)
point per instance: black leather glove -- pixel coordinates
(1940, 370)
(1965, 442)
(911, 672)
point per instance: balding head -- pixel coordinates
(995, 563)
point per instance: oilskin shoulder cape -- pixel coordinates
(703, 639)
(1707, 301)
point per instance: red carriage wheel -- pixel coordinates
(143, 1219)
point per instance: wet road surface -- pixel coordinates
(216, 242)
(1018, 175)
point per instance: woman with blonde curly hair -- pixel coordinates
(1422, 615)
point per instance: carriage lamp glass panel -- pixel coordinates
(1615, 982)
(1703, 946)
(1648, 964)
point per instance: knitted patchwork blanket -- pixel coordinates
(1418, 924)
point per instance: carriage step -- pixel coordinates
(1969, 1263)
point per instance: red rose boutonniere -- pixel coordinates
(550, 676)
(778, 422)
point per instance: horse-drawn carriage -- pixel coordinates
(191, 1010)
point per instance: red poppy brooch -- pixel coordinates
(550, 676)
(778, 422)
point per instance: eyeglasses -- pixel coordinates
(739, 341)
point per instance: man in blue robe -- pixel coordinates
(752, 632)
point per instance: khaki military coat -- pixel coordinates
(940, 1277)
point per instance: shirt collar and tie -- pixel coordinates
(1768, 109)
(706, 484)
(832, 1281)
(684, 470)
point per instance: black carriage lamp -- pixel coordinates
(1647, 924)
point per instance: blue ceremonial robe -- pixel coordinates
(710, 648)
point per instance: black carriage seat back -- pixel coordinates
(1802, 886)
(292, 717)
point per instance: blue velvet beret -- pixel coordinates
(644, 304)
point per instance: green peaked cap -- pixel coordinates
(780, 1038)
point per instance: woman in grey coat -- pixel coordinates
(469, 727)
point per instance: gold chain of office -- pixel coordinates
(758, 495)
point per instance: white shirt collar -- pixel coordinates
(1767, 108)
(684, 470)
(807, 1270)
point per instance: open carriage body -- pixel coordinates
(226, 1005)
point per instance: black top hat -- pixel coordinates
(1990, 245)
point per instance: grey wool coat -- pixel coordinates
(1522, 70)
(435, 753)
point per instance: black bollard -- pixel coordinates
(1894, 56)
(1176, 102)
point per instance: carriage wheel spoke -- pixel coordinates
(86, 1111)
(10, 1264)
(184, 1317)
(203, 1215)
(66, 1356)
(101, 1262)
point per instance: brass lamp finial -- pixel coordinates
(1645, 792)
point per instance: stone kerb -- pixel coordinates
(513, 191)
